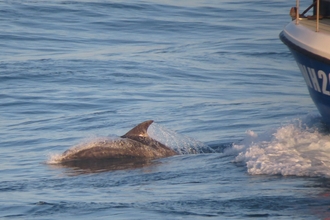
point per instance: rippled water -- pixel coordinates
(208, 72)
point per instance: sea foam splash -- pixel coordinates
(180, 143)
(300, 148)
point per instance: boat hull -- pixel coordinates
(316, 72)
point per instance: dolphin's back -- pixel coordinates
(134, 144)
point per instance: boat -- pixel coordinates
(308, 39)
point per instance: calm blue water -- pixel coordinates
(213, 71)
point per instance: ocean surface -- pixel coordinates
(211, 74)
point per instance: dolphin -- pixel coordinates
(135, 144)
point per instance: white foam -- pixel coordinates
(300, 148)
(179, 143)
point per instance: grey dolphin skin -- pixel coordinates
(135, 144)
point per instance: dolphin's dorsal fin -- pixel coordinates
(139, 130)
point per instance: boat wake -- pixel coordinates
(299, 148)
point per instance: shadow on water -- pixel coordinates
(79, 167)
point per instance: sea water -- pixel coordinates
(211, 74)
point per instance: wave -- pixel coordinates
(299, 148)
